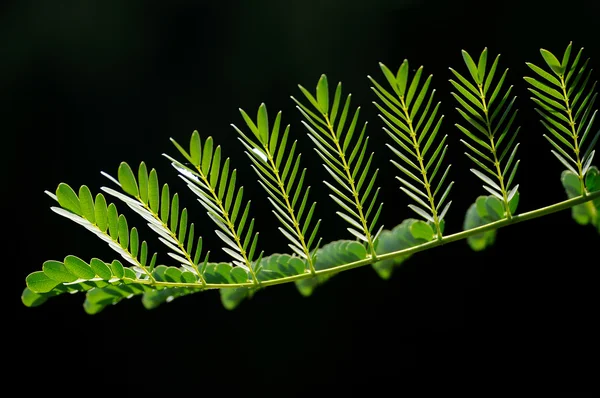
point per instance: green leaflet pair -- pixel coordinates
(564, 98)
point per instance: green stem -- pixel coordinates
(355, 193)
(151, 280)
(556, 207)
(290, 210)
(417, 147)
(230, 225)
(179, 244)
(575, 136)
(488, 124)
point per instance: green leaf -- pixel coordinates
(174, 213)
(188, 277)
(543, 74)
(391, 78)
(153, 191)
(113, 221)
(239, 275)
(482, 64)
(101, 212)
(544, 88)
(552, 62)
(129, 273)
(78, 267)
(486, 179)
(232, 298)
(144, 251)
(86, 202)
(336, 103)
(165, 201)
(143, 182)
(216, 165)
(566, 55)
(58, 272)
(490, 76)
(514, 203)
(134, 242)
(39, 282)
(413, 88)
(172, 274)
(31, 299)
(494, 207)
(472, 220)
(399, 238)
(323, 94)
(263, 124)
(123, 232)
(329, 256)
(592, 179)
(195, 148)
(310, 98)
(100, 269)
(207, 155)
(472, 67)
(117, 269)
(585, 213)
(422, 230)
(67, 198)
(127, 179)
(402, 77)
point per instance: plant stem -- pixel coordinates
(416, 146)
(174, 236)
(572, 126)
(230, 225)
(493, 150)
(290, 209)
(355, 192)
(556, 207)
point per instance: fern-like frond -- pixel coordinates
(565, 100)
(105, 222)
(161, 211)
(103, 283)
(278, 172)
(215, 185)
(345, 159)
(490, 136)
(413, 124)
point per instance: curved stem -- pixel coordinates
(556, 207)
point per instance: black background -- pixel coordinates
(88, 84)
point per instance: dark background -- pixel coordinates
(88, 84)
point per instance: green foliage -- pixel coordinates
(485, 210)
(413, 129)
(267, 151)
(409, 233)
(490, 115)
(565, 99)
(215, 187)
(344, 157)
(561, 91)
(589, 212)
